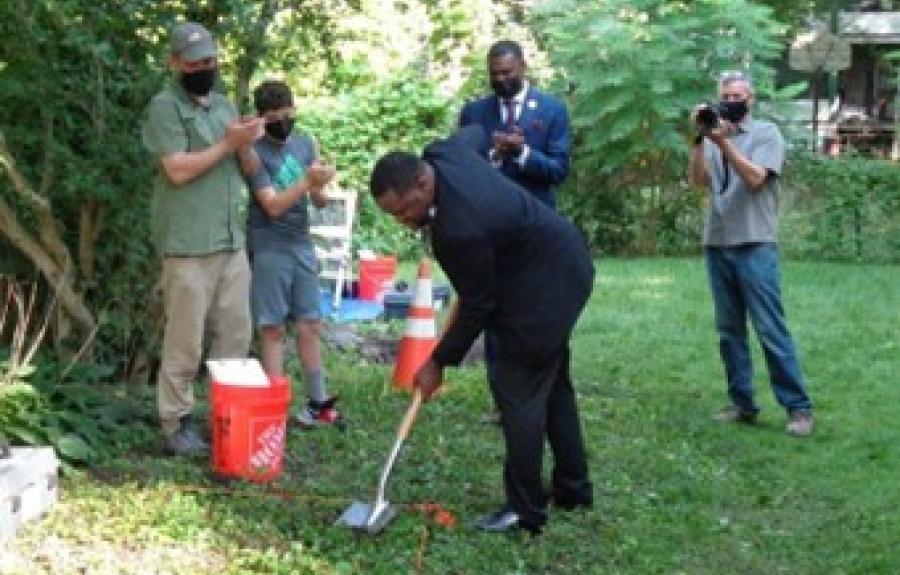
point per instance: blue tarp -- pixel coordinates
(350, 309)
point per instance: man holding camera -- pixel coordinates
(739, 160)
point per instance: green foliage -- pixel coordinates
(72, 94)
(355, 129)
(797, 12)
(845, 208)
(75, 92)
(636, 70)
(84, 419)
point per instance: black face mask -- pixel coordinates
(734, 112)
(280, 130)
(198, 83)
(506, 89)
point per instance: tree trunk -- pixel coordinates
(45, 249)
(90, 223)
(254, 48)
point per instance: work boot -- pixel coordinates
(186, 441)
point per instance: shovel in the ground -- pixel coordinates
(373, 518)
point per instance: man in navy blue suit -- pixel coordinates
(528, 131)
(528, 141)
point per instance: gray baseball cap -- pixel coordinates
(192, 42)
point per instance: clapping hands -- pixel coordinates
(241, 132)
(320, 173)
(509, 144)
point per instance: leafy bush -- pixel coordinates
(78, 146)
(355, 129)
(845, 208)
(84, 419)
(635, 70)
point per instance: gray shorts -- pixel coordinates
(284, 286)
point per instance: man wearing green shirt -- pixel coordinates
(203, 149)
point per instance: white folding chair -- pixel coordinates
(331, 228)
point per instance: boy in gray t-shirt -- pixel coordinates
(285, 282)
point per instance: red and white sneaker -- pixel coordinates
(319, 414)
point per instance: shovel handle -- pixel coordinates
(411, 412)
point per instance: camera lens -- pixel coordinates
(707, 117)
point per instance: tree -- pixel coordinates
(796, 13)
(636, 69)
(72, 77)
(285, 34)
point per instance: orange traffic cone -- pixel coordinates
(421, 334)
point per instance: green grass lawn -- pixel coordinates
(675, 491)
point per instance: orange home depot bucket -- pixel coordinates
(376, 276)
(249, 424)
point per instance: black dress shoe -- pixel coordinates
(570, 504)
(503, 521)
(568, 494)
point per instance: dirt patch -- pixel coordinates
(377, 347)
(53, 555)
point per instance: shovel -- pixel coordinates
(372, 518)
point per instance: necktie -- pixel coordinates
(510, 106)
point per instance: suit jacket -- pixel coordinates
(520, 269)
(545, 124)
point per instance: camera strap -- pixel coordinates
(726, 175)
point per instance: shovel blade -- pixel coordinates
(365, 517)
(355, 516)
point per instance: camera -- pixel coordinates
(708, 116)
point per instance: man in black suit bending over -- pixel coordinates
(521, 271)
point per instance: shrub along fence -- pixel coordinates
(836, 209)
(844, 209)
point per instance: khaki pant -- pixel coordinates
(199, 293)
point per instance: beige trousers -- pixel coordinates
(200, 293)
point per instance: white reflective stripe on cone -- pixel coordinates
(423, 293)
(420, 328)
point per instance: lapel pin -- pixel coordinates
(532, 104)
